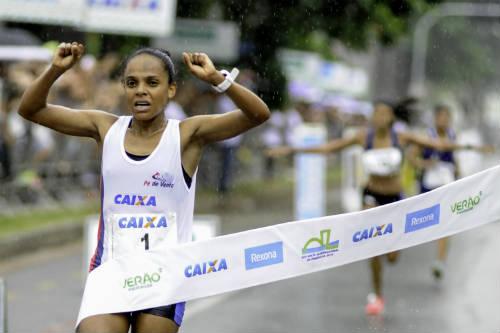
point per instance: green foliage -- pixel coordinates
(309, 25)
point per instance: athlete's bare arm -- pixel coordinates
(407, 138)
(34, 106)
(331, 146)
(198, 131)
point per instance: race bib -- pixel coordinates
(382, 162)
(133, 233)
(440, 174)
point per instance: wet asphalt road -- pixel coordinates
(45, 290)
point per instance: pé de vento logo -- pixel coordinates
(164, 180)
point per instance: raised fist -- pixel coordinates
(67, 54)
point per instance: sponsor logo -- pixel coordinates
(375, 231)
(135, 200)
(466, 205)
(264, 255)
(146, 280)
(165, 180)
(422, 219)
(205, 268)
(320, 247)
(138, 222)
(126, 4)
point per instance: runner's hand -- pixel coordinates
(66, 55)
(202, 67)
(279, 151)
(487, 149)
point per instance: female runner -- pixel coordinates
(382, 160)
(149, 162)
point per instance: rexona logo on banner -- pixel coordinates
(378, 230)
(422, 219)
(320, 247)
(146, 280)
(466, 205)
(206, 268)
(264, 255)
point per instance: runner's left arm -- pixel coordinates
(251, 112)
(407, 138)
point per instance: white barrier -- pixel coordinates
(3, 306)
(310, 172)
(255, 257)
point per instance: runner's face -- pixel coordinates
(442, 120)
(383, 116)
(146, 87)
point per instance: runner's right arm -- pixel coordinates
(34, 106)
(331, 146)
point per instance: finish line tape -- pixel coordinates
(255, 257)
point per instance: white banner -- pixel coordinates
(42, 11)
(282, 251)
(137, 17)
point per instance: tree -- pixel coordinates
(269, 25)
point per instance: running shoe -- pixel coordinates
(438, 269)
(374, 305)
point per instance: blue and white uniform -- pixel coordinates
(384, 162)
(145, 204)
(444, 169)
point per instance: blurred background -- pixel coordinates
(313, 62)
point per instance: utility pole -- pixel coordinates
(417, 86)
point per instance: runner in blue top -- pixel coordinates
(437, 168)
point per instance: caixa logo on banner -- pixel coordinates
(264, 255)
(422, 219)
(207, 267)
(375, 231)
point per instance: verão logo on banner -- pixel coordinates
(466, 205)
(320, 247)
(146, 280)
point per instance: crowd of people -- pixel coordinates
(39, 165)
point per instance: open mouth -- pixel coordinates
(142, 106)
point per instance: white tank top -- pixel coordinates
(145, 205)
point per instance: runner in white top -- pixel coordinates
(382, 160)
(148, 161)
